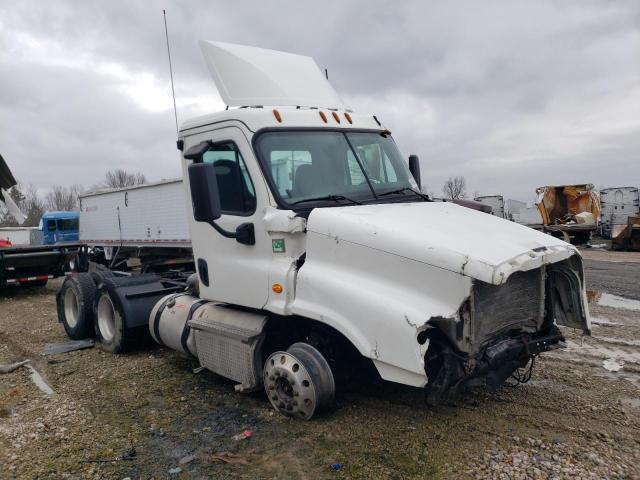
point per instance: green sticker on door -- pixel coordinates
(278, 245)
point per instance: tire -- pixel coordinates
(108, 324)
(299, 382)
(75, 306)
(110, 327)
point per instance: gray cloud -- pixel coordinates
(511, 95)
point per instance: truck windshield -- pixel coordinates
(305, 165)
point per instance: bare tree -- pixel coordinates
(119, 178)
(32, 207)
(63, 198)
(455, 188)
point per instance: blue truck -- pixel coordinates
(60, 227)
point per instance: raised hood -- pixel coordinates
(443, 235)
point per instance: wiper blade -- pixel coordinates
(406, 189)
(334, 198)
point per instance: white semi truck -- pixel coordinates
(314, 251)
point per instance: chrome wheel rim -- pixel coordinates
(289, 386)
(106, 318)
(71, 307)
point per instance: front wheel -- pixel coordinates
(299, 382)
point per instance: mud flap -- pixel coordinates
(567, 298)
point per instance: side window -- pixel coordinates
(237, 195)
(51, 225)
(68, 224)
(286, 171)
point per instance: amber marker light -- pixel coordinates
(276, 114)
(323, 117)
(277, 288)
(335, 115)
(348, 117)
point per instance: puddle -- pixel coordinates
(631, 402)
(631, 377)
(614, 301)
(39, 381)
(588, 352)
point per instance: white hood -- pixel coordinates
(443, 235)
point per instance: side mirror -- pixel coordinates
(204, 192)
(414, 168)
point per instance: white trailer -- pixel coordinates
(147, 215)
(21, 235)
(316, 253)
(496, 202)
(617, 205)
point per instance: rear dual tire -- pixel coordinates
(111, 324)
(75, 305)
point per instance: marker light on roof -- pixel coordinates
(335, 115)
(276, 114)
(323, 117)
(348, 117)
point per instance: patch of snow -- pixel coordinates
(614, 301)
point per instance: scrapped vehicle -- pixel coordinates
(316, 254)
(627, 237)
(571, 212)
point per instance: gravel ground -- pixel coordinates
(147, 415)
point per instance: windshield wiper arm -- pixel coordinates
(406, 189)
(334, 198)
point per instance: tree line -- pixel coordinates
(60, 198)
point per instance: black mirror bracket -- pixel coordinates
(245, 233)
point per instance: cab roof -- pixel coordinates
(257, 118)
(61, 214)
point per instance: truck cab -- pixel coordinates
(316, 253)
(312, 213)
(60, 227)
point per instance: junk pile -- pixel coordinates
(569, 211)
(627, 236)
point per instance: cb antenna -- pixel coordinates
(173, 92)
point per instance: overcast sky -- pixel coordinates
(511, 95)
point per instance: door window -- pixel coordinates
(68, 224)
(237, 195)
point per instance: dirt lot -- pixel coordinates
(147, 415)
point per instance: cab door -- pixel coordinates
(230, 271)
